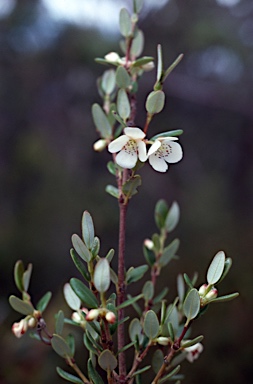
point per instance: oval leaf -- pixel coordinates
(169, 253)
(123, 105)
(191, 304)
(81, 248)
(88, 231)
(71, 298)
(107, 360)
(172, 218)
(59, 323)
(123, 79)
(216, 268)
(68, 376)
(102, 275)
(26, 277)
(18, 275)
(108, 81)
(60, 346)
(151, 325)
(135, 274)
(21, 306)
(43, 303)
(101, 121)
(125, 24)
(93, 375)
(155, 102)
(84, 293)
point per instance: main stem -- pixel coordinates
(121, 287)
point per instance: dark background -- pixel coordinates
(49, 173)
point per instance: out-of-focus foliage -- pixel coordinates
(50, 174)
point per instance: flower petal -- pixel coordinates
(142, 150)
(117, 144)
(134, 133)
(126, 159)
(154, 147)
(172, 152)
(158, 163)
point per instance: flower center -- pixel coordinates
(130, 147)
(163, 151)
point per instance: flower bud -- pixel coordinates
(212, 294)
(193, 352)
(162, 340)
(149, 244)
(148, 67)
(32, 322)
(19, 329)
(100, 145)
(76, 317)
(112, 57)
(202, 289)
(92, 315)
(110, 317)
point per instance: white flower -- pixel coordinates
(164, 150)
(192, 353)
(20, 328)
(130, 147)
(112, 57)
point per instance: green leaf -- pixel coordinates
(101, 121)
(135, 274)
(18, 275)
(148, 290)
(174, 133)
(95, 247)
(138, 4)
(68, 376)
(227, 266)
(102, 278)
(27, 276)
(229, 297)
(157, 360)
(59, 322)
(161, 295)
(155, 102)
(144, 369)
(79, 265)
(171, 331)
(149, 255)
(113, 191)
(110, 255)
(43, 302)
(123, 79)
(170, 375)
(188, 281)
(81, 248)
(151, 325)
(216, 268)
(126, 347)
(172, 218)
(89, 345)
(159, 63)
(84, 293)
(93, 375)
(128, 302)
(180, 288)
(142, 61)
(169, 253)
(125, 23)
(108, 81)
(137, 44)
(60, 346)
(161, 211)
(191, 304)
(189, 343)
(21, 306)
(107, 360)
(135, 331)
(129, 188)
(123, 104)
(71, 342)
(71, 298)
(88, 229)
(172, 66)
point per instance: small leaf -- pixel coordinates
(21, 306)
(60, 346)
(151, 325)
(159, 63)
(148, 290)
(79, 265)
(138, 4)
(93, 374)
(174, 133)
(229, 297)
(125, 23)
(81, 248)
(123, 104)
(110, 255)
(113, 191)
(101, 121)
(191, 304)
(43, 302)
(144, 369)
(172, 218)
(107, 360)
(71, 342)
(227, 266)
(18, 275)
(126, 347)
(172, 66)
(59, 323)
(27, 276)
(128, 302)
(149, 255)
(155, 102)
(135, 274)
(108, 81)
(71, 298)
(137, 44)
(123, 79)
(161, 211)
(84, 293)
(135, 331)
(142, 61)
(189, 343)
(102, 275)
(68, 376)
(169, 253)
(180, 288)
(170, 375)
(188, 281)
(157, 360)
(88, 229)
(95, 247)
(216, 268)
(129, 188)
(161, 295)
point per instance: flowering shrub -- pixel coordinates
(99, 301)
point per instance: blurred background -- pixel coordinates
(49, 173)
